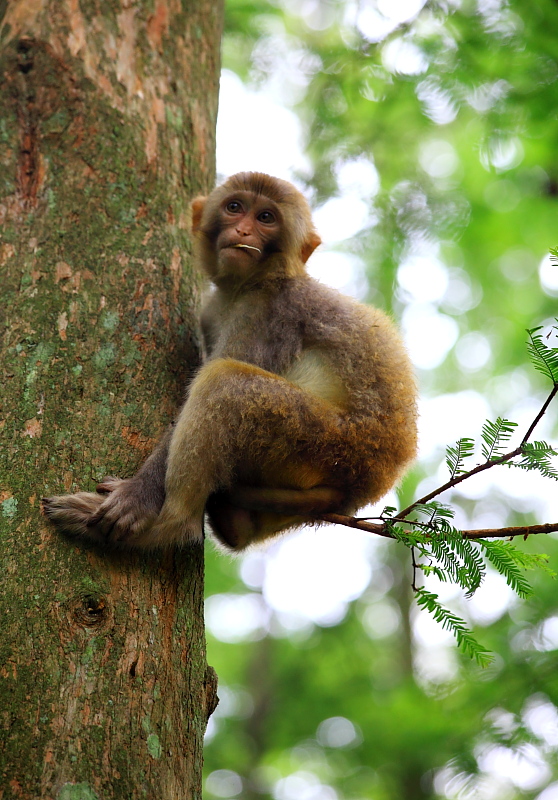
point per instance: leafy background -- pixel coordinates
(439, 121)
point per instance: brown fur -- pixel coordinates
(306, 402)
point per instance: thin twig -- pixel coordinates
(482, 467)
(455, 481)
(539, 416)
(415, 568)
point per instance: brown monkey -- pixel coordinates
(305, 404)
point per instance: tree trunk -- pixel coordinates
(107, 118)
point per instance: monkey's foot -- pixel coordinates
(126, 514)
(120, 514)
(72, 512)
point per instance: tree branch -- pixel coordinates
(481, 533)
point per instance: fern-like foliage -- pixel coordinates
(509, 561)
(451, 622)
(455, 456)
(537, 455)
(494, 436)
(409, 538)
(532, 561)
(543, 357)
(442, 550)
(446, 551)
(474, 570)
(439, 549)
(388, 511)
(437, 514)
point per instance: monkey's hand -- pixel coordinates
(119, 514)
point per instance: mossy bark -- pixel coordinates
(107, 119)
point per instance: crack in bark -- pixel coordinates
(28, 168)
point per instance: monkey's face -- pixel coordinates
(249, 231)
(245, 223)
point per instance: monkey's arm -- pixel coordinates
(120, 508)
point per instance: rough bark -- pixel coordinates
(107, 116)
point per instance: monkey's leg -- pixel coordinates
(239, 419)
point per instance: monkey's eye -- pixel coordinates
(234, 207)
(266, 217)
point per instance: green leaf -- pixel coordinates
(533, 561)
(442, 552)
(537, 455)
(451, 622)
(435, 512)
(410, 538)
(432, 569)
(459, 557)
(455, 456)
(388, 511)
(472, 560)
(543, 357)
(494, 435)
(509, 561)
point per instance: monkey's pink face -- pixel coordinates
(250, 231)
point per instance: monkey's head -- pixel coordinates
(253, 223)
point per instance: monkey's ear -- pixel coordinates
(198, 204)
(309, 246)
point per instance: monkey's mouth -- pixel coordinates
(246, 247)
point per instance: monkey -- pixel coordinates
(305, 403)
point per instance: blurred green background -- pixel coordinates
(429, 133)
